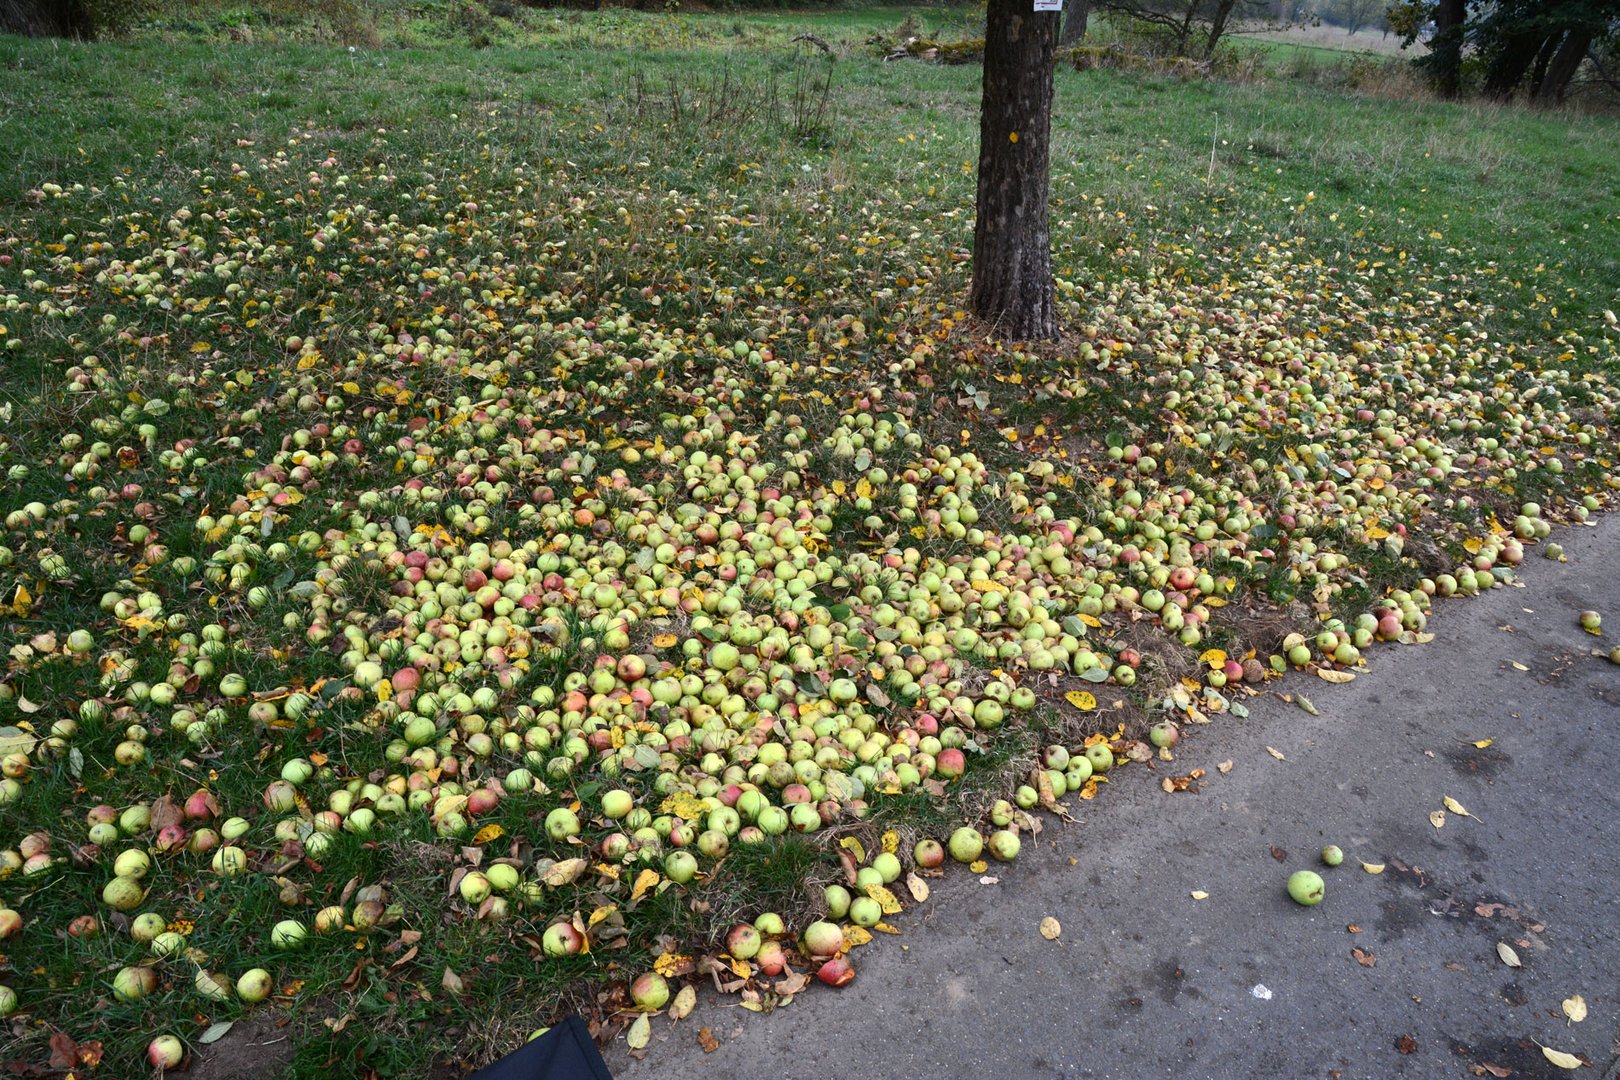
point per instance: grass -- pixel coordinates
(680, 182)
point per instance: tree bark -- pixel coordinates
(1509, 63)
(46, 18)
(1445, 47)
(1217, 26)
(1565, 62)
(1074, 22)
(1012, 258)
(1538, 74)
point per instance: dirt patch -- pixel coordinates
(1487, 762)
(258, 1046)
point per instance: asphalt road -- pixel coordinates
(1147, 982)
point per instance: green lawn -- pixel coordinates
(661, 314)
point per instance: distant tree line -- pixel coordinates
(1529, 48)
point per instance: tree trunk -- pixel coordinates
(1565, 62)
(1510, 62)
(1012, 258)
(1074, 22)
(1217, 26)
(1538, 74)
(46, 18)
(1445, 47)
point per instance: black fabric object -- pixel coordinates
(566, 1052)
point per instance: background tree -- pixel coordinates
(1012, 256)
(1195, 27)
(47, 18)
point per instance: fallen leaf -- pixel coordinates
(1561, 1059)
(1273, 751)
(1456, 807)
(989, 879)
(1278, 853)
(488, 833)
(1334, 676)
(1199, 894)
(891, 842)
(640, 1033)
(1364, 958)
(452, 982)
(1406, 1044)
(1481, 744)
(1225, 766)
(670, 965)
(1081, 700)
(1305, 703)
(1438, 819)
(1373, 867)
(1485, 1068)
(706, 1039)
(216, 1032)
(1050, 928)
(1509, 957)
(1575, 1008)
(853, 846)
(917, 887)
(855, 937)
(1519, 667)
(978, 866)
(886, 899)
(1353, 928)
(644, 881)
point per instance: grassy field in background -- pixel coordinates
(763, 188)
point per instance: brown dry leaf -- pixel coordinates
(1334, 676)
(1406, 1044)
(1051, 928)
(917, 887)
(1509, 957)
(1353, 928)
(1485, 1068)
(1438, 819)
(1225, 766)
(1575, 1008)
(684, 1003)
(1272, 750)
(706, 1039)
(1561, 1059)
(1364, 958)
(640, 1033)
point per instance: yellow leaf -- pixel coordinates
(1334, 676)
(1438, 819)
(1456, 807)
(886, 899)
(684, 1003)
(1051, 928)
(683, 805)
(644, 881)
(978, 866)
(1090, 620)
(891, 842)
(1472, 545)
(21, 601)
(308, 360)
(640, 1033)
(1483, 743)
(1561, 1059)
(1575, 1008)
(917, 887)
(1509, 957)
(488, 833)
(839, 487)
(855, 937)
(1519, 667)
(1376, 532)
(1213, 657)
(669, 964)
(1081, 700)
(853, 846)
(739, 968)
(863, 488)
(885, 927)
(599, 914)
(1214, 601)
(1276, 753)
(1373, 867)
(665, 641)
